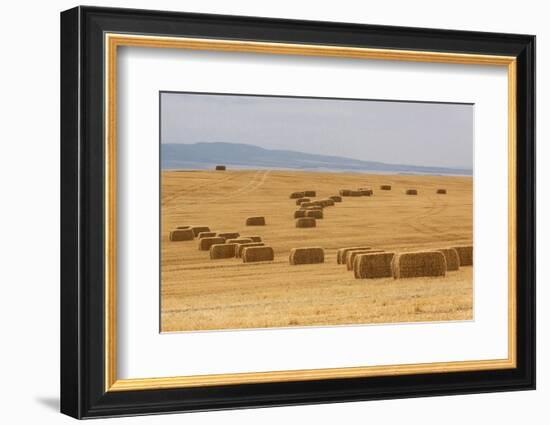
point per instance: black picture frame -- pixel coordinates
(82, 206)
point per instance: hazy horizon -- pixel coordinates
(392, 132)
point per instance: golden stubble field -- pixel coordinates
(202, 294)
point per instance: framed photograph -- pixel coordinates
(261, 212)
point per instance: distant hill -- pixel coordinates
(207, 155)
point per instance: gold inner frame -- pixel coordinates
(113, 41)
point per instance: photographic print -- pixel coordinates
(282, 211)
(310, 197)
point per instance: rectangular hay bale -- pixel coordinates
(312, 255)
(254, 254)
(255, 221)
(465, 254)
(341, 253)
(314, 213)
(220, 251)
(418, 264)
(206, 243)
(451, 258)
(241, 247)
(182, 235)
(306, 222)
(351, 255)
(373, 265)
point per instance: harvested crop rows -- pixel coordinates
(198, 293)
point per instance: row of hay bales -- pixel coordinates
(245, 249)
(362, 191)
(369, 263)
(188, 233)
(369, 192)
(440, 191)
(310, 211)
(303, 194)
(226, 244)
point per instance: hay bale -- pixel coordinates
(314, 213)
(299, 201)
(219, 251)
(365, 192)
(220, 167)
(327, 203)
(451, 257)
(255, 221)
(183, 227)
(311, 193)
(254, 238)
(465, 254)
(345, 192)
(229, 235)
(305, 222)
(207, 235)
(198, 229)
(239, 241)
(385, 187)
(373, 265)
(417, 264)
(336, 198)
(341, 253)
(411, 192)
(313, 207)
(441, 191)
(239, 250)
(312, 255)
(355, 193)
(300, 213)
(253, 254)
(351, 255)
(297, 195)
(206, 243)
(182, 235)
(307, 204)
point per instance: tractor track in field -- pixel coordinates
(422, 223)
(257, 181)
(194, 188)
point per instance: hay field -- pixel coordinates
(202, 294)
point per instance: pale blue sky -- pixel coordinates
(431, 134)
